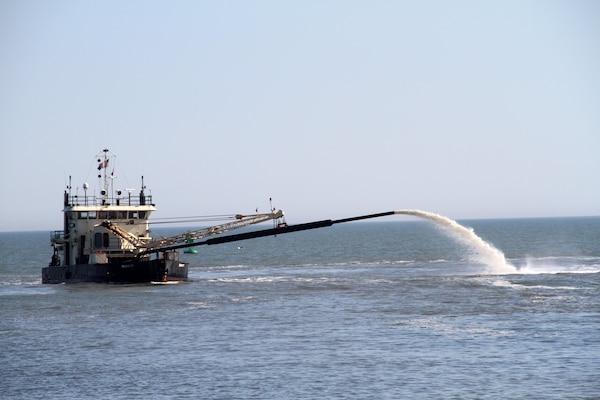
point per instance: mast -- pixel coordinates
(103, 165)
(142, 194)
(66, 228)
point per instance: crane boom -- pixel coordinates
(241, 221)
(193, 236)
(122, 233)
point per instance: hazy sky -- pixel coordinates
(470, 109)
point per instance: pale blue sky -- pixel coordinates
(470, 109)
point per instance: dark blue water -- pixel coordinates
(381, 310)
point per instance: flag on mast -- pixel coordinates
(103, 164)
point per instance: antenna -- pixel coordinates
(85, 188)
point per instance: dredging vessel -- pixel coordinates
(106, 236)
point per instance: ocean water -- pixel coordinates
(367, 310)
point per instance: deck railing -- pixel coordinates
(76, 200)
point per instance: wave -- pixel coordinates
(560, 265)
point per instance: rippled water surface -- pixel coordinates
(363, 310)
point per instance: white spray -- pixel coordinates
(483, 252)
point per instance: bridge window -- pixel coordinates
(97, 240)
(101, 240)
(137, 214)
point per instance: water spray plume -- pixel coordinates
(483, 252)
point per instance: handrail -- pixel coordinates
(76, 200)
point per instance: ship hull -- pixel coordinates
(141, 271)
